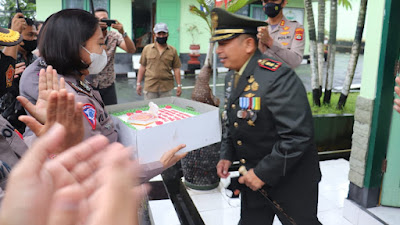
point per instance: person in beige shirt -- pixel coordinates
(156, 63)
(283, 39)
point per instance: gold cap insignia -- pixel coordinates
(214, 20)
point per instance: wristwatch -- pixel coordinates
(124, 35)
(138, 84)
(179, 85)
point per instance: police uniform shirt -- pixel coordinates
(289, 41)
(12, 147)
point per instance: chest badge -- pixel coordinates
(269, 64)
(89, 111)
(247, 88)
(254, 86)
(286, 28)
(251, 79)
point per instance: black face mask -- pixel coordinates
(272, 9)
(29, 46)
(161, 40)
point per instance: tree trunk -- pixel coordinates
(320, 42)
(202, 91)
(355, 52)
(330, 72)
(313, 52)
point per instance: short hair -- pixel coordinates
(101, 10)
(252, 36)
(61, 39)
(38, 22)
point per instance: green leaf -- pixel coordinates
(196, 11)
(345, 3)
(235, 5)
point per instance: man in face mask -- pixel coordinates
(28, 44)
(156, 63)
(283, 39)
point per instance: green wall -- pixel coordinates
(375, 10)
(188, 19)
(121, 10)
(44, 8)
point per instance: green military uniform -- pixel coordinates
(269, 127)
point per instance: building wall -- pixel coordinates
(121, 10)
(188, 19)
(365, 101)
(44, 8)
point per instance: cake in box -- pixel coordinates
(153, 115)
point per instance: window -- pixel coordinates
(85, 4)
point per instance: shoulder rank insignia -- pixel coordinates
(78, 88)
(269, 64)
(89, 111)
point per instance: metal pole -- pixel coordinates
(214, 69)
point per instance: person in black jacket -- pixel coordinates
(269, 127)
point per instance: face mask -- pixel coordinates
(161, 40)
(98, 61)
(272, 9)
(29, 46)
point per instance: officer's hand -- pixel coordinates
(264, 36)
(170, 158)
(178, 91)
(48, 81)
(139, 90)
(223, 167)
(397, 90)
(18, 22)
(61, 108)
(118, 26)
(19, 69)
(251, 180)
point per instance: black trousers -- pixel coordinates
(109, 95)
(298, 201)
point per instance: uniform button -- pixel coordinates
(225, 106)
(243, 161)
(239, 142)
(236, 124)
(233, 106)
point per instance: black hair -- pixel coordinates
(62, 36)
(101, 10)
(252, 36)
(38, 22)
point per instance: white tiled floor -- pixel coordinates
(217, 209)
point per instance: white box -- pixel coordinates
(150, 144)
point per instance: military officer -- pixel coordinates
(282, 39)
(269, 127)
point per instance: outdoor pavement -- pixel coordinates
(215, 208)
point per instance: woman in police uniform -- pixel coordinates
(72, 42)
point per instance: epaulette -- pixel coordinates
(80, 89)
(269, 64)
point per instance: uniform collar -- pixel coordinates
(248, 71)
(154, 46)
(281, 25)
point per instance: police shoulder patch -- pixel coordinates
(89, 111)
(269, 64)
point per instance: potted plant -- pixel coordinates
(194, 54)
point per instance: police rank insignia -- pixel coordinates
(269, 64)
(89, 111)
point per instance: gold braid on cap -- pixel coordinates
(217, 38)
(11, 36)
